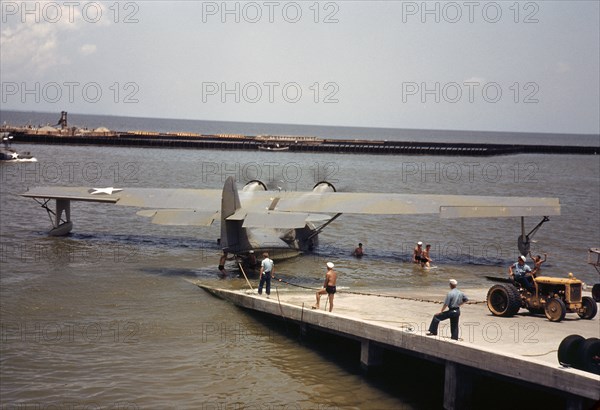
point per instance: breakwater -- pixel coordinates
(289, 143)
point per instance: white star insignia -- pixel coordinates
(108, 191)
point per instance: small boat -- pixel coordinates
(273, 147)
(8, 154)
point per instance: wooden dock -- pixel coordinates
(521, 349)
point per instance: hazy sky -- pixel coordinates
(498, 66)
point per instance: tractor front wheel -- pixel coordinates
(555, 310)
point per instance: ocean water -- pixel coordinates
(110, 317)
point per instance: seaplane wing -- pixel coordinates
(205, 203)
(448, 206)
(281, 220)
(158, 198)
(250, 215)
(292, 209)
(191, 207)
(180, 217)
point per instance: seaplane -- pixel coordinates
(283, 223)
(7, 154)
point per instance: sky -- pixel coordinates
(528, 66)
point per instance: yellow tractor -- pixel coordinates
(553, 296)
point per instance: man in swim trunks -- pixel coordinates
(426, 256)
(418, 254)
(328, 286)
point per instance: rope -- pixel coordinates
(245, 277)
(541, 354)
(279, 302)
(381, 295)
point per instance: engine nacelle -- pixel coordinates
(254, 185)
(324, 186)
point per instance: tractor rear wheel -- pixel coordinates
(589, 355)
(555, 310)
(588, 308)
(503, 300)
(568, 350)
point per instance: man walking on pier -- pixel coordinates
(454, 299)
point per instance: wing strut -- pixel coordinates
(60, 226)
(524, 241)
(320, 228)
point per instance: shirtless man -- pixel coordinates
(358, 252)
(425, 255)
(418, 254)
(328, 286)
(537, 260)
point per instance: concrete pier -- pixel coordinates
(521, 349)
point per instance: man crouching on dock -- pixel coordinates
(328, 286)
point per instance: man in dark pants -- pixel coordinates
(521, 273)
(267, 272)
(454, 299)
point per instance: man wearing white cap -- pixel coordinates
(453, 300)
(418, 254)
(328, 286)
(521, 273)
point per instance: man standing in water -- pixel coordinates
(328, 286)
(418, 254)
(426, 255)
(358, 252)
(453, 300)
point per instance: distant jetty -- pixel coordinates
(62, 134)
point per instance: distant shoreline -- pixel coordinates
(104, 136)
(181, 126)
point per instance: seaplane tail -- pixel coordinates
(231, 224)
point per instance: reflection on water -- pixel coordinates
(108, 316)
